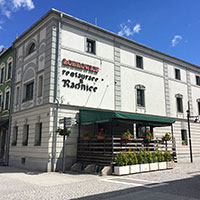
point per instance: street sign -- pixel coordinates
(68, 121)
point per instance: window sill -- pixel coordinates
(91, 53)
(25, 100)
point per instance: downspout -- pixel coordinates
(11, 109)
(56, 100)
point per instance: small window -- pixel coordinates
(90, 46)
(0, 102)
(29, 91)
(40, 86)
(2, 75)
(15, 135)
(139, 62)
(31, 49)
(25, 135)
(17, 95)
(179, 102)
(7, 98)
(140, 98)
(9, 70)
(177, 74)
(184, 137)
(198, 103)
(141, 130)
(38, 134)
(198, 80)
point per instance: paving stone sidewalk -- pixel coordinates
(22, 184)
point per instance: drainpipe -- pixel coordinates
(56, 101)
(11, 109)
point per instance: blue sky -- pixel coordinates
(169, 26)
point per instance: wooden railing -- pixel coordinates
(103, 151)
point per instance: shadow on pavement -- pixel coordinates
(183, 189)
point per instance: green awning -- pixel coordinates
(97, 116)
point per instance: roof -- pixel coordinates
(54, 11)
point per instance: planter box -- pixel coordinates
(121, 170)
(170, 165)
(134, 169)
(153, 166)
(144, 167)
(162, 165)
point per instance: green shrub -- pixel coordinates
(140, 157)
(121, 159)
(154, 157)
(149, 157)
(160, 156)
(167, 155)
(145, 156)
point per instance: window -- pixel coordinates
(90, 46)
(31, 48)
(9, 70)
(198, 80)
(179, 102)
(140, 98)
(38, 134)
(141, 130)
(17, 96)
(25, 135)
(198, 103)
(0, 102)
(40, 86)
(2, 75)
(15, 135)
(139, 62)
(7, 98)
(184, 137)
(29, 91)
(177, 74)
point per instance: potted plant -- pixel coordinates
(169, 159)
(184, 142)
(148, 136)
(144, 167)
(127, 135)
(134, 167)
(161, 160)
(66, 132)
(121, 167)
(167, 136)
(101, 134)
(86, 136)
(154, 165)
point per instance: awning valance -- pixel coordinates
(97, 116)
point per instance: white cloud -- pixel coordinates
(176, 40)
(24, 3)
(126, 29)
(137, 28)
(7, 7)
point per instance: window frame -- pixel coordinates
(177, 74)
(139, 62)
(9, 64)
(5, 98)
(184, 136)
(27, 98)
(30, 48)
(15, 135)
(140, 90)
(179, 103)
(93, 47)
(40, 87)
(38, 133)
(26, 129)
(2, 68)
(197, 80)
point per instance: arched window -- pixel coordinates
(31, 48)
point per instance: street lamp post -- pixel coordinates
(188, 119)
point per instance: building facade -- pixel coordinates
(64, 64)
(6, 66)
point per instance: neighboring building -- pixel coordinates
(6, 65)
(64, 64)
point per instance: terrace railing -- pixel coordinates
(102, 152)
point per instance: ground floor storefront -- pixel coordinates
(35, 143)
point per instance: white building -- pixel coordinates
(64, 64)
